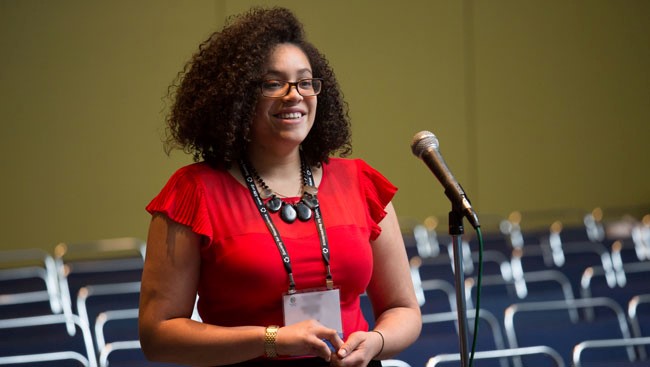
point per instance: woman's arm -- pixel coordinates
(393, 300)
(169, 285)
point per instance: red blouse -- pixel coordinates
(242, 277)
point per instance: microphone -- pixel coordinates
(425, 147)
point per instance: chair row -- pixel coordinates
(571, 334)
(553, 242)
(50, 306)
(508, 285)
(587, 269)
(32, 275)
(44, 340)
(541, 355)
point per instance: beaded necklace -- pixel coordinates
(302, 210)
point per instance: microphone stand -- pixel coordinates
(456, 230)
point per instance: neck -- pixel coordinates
(274, 165)
(280, 172)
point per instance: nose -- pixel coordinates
(292, 93)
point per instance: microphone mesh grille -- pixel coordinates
(423, 141)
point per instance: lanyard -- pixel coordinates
(318, 218)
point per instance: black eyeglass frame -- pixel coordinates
(292, 84)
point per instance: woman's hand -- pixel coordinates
(307, 338)
(359, 349)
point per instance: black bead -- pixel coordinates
(274, 204)
(304, 213)
(266, 193)
(288, 213)
(310, 200)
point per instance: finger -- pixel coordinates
(332, 337)
(350, 345)
(336, 341)
(320, 349)
(335, 361)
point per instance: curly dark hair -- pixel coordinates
(215, 95)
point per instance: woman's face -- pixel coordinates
(284, 121)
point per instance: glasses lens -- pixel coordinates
(274, 88)
(309, 87)
(280, 88)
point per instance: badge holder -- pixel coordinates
(322, 305)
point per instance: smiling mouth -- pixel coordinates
(289, 116)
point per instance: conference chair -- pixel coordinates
(45, 341)
(632, 279)
(498, 294)
(571, 258)
(537, 356)
(117, 339)
(606, 346)
(440, 335)
(548, 323)
(28, 283)
(92, 300)
(96, 262)
(638, 313)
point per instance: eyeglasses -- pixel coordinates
(279, 88)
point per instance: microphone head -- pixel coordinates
(422, 142)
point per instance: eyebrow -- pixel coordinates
(281, 73)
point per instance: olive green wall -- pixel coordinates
(538, 105)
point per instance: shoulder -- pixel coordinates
(350, 165)
(199, 171)
(346, 163)
(198, 168)
(197, 176)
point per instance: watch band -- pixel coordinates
(269, 341)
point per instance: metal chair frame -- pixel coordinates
(633, 317)
(49, 320)
(78, 257)
(501, 353)
(515, 309)
(30, 263)
(606, 343)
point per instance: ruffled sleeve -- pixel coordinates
(378, 192)
(182, 200)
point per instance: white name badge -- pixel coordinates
(323, 306)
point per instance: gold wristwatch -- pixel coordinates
(269, 341)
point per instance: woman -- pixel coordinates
(278, 239)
